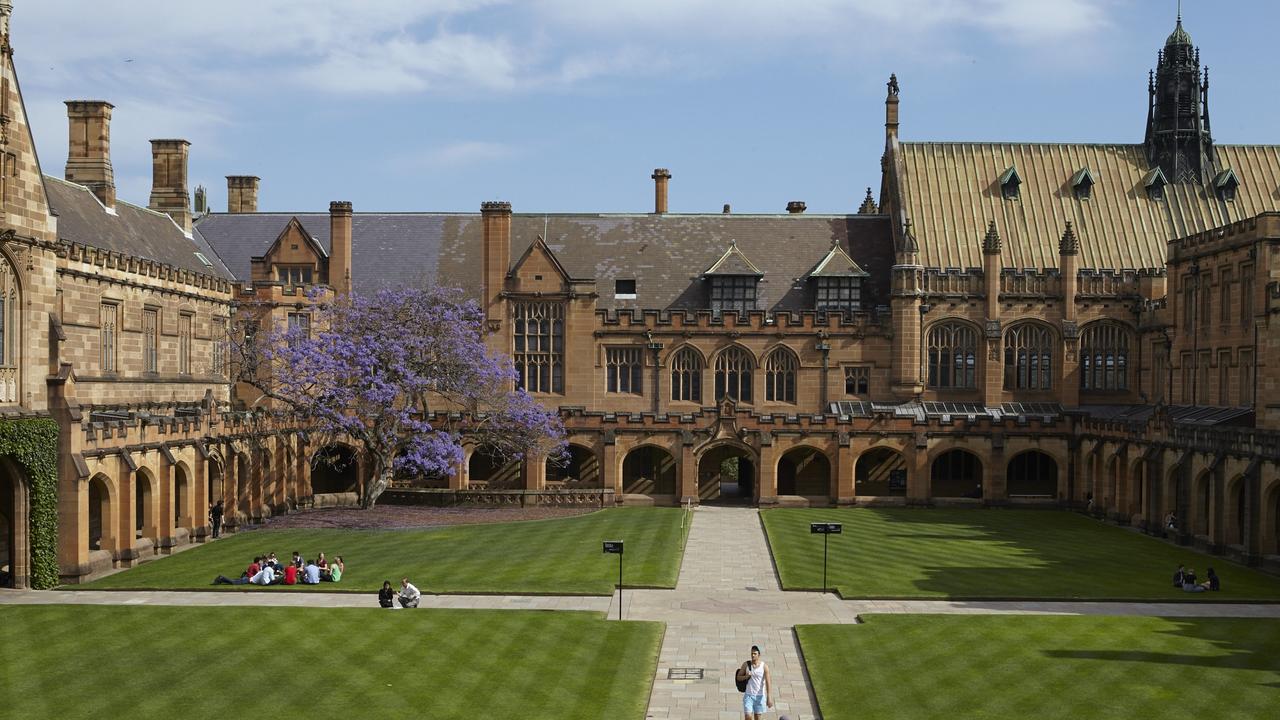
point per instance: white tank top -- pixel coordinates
(755, 683)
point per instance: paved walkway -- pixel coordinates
(232, 598)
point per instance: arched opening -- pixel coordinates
(880, 472)
(577, 467)
(1272, 545)
(1137, 488)
(334, 469)
(956, 473)
(144, 494)
(100, 525)
(649, 470)
(804, 471)
(488, 469)
(181, 496)
(1113, 484)
(412, 478)
(10, 542)
(213, 470)
(1032, 473)
(726, 474)
(1202, 495)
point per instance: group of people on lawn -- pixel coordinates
(1185, 580)
(267, 570)
(408, 597)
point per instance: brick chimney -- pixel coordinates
(169, 181)
(242, 194)
(89, 152)
(339, 246)
(496, 219)
(660, 177)
(795, 207)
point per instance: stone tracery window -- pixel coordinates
(1028, 357)
(10, 347)
(624, 370)
(539, 346)
(953, 356)
(733, 375)
(1104, 357)
(780, 376)
(686, 376)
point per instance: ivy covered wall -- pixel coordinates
(33, 443)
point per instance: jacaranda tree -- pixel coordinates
(373, 368)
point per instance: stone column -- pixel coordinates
(767, 472)
(688, 480)
(843, 490)
(163, 502)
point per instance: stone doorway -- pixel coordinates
(727, 476)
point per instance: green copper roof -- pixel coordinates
(1178, 36)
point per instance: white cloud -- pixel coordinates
(455, 155)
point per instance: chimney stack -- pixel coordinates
(660, 177)
(169, 181)
(242, 194)
(339, 246)
(795, 207)
(89, 152)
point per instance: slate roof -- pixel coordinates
(951, 191)
(666, 254)
(132, 230)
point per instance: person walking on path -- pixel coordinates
(759, 692)
(409, 595)
(215, 518)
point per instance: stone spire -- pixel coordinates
(868, 206)
(1069, 244)
(1178, 140)
(991, 242)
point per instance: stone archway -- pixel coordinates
(880, 472)
(334, 469)
(1271, 530)
(145, 494)
(649, 470)
(956, 474)
(487, 469)
(15, 536)
(804, 471)
(1032, 474)
(578, 467)
(182, 510)
(214, 489)
(727, 474)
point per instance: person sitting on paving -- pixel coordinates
(387, 595)
(311, 573)
(409, 595)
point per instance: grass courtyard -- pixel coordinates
(936, 667)
(992, 554)
(554, 557)
(133, 662)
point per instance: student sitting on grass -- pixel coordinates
(1189, 582)
(311, 573)
(1212, 584)
(1178, 575)
(334, 573)
(265, 576)
(290, 575)
(297, 559)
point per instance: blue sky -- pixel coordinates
(568, 105)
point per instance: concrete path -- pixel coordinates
(268, 598)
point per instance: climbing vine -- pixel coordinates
(33, 443)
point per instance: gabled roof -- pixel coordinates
(1083, 175)
(539, 245)
(948, 193)
(128, 229)
(1155, 176)
(733, 262)
(837, 263)
(319, 249)
(1225, 178)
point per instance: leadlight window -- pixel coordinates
(733, 293)
(624, 368)
(184, 344)
(733, 375)
(953, 356)
(857, 380)
(107, 314)
(293, 275)
(686, 376)
(780, 376)
(219, 346)
(539, 346)
(299, 327)
(1028, 357)
(839, 293)
(1202, 377)
(1246, 377)
(1104, 357)
(151, 340)
(1206, 303)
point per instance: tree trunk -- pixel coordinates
(380, 482)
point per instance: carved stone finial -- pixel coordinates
(991, 241)
(868, 206)
(1070, 244)
(909, 244)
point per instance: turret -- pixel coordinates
(1177, 138)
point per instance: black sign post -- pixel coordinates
(615, 547)
(825, 529)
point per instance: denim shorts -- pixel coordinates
(753, 704)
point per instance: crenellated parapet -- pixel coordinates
(142, 267)
(872, 322)
(1211, 242)
(1030, 283)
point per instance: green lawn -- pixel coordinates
(556, 557)
(67, 662)
(935, 553)
(987, 667)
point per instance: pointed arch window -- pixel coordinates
(953, 356)
(538, 331)
(686, 376)
(780, 376)
(1028, 357)
(733, 375)
(10, 347)
(1104, 357)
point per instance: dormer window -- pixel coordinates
(624, 289)
(733, 293)
(1010, 183)
(1155, 182)
(1226, 184)
(1082, 183)
(839, 293)
(293, 275)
